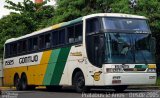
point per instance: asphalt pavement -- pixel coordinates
(95, 93)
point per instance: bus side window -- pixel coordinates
(24, 46)
(48, 40)
(19, 47)
(35, 43)
(14, 49)
(11, 49)
(30, 46)
(70, 34)
(7, 50)
(41, 42)
(93, 26)
(54, 38)
(62, 37)
(78, 32)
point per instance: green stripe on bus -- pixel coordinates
(140, 66)
(59, 68)
(51, 66)
(72, 22)
(144, 66)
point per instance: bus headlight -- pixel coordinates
(151, 70)
(114, 70)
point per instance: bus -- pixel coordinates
(99, 50)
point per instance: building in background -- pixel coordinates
(38, 1)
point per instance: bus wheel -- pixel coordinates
(17, 82)
(120, 88)
(23, 82)
(79, 82)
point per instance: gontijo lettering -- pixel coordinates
(28, 59)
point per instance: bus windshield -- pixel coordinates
(128, 48)
(138, 25)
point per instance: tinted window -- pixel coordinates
(70, 31)
(47, 40)
(30, 46)
(13, 49)
(7, 50)
(78, 32)
(24, 46)
(19, 47)
(125, 24)
(35, 43)
(62, 36)
(93, 25)
(55, 38)
(41, 42)
(75, 33)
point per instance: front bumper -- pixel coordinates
(129, 78)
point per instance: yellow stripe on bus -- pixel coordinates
(35, 73)
(57, 26)
(151, 65)
(10, 72)
(38, 72)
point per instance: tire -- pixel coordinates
(17, 83)
(120, 88)
(54, 88)
(79, 82)
(23, 83)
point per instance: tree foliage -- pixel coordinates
(28, 17)
(71, 9)
(25, 6)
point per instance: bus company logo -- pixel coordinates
(28, 59)
(76, 54)
(9, 62)
(96, 76)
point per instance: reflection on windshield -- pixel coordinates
(128, 48)
(125, 24)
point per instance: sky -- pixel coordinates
(4, 11)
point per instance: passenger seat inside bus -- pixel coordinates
(71, 40)
(48, 45)
(35, 47)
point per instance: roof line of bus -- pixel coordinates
(63, 24)
(115, 15)
(56, 26)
